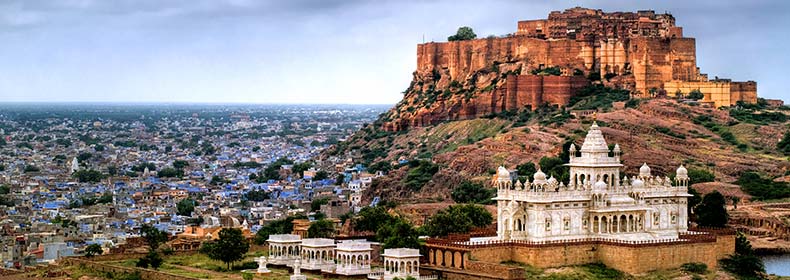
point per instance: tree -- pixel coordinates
(744, 263)
(93, 250)
(458, 219)
(185, 207)
(321, 229)
(112, 170)
(180, 164)
(554, 166)
(700, 176)
(784, 145)
(31, 168)
(339, 180)
(468, 192)
(420, 173)
(88, 176)
(230, 247)
(276, 227)
(711, 212)
(257, 195)
(463, 33)
(372, 218)
(696, 95)
(693, 201)
(320, 175)
(153, 236)
(83, 157)
(151, 259)
(170, 173)
(4, 189)
(762, 188)
(299, 168)
(399, 234)
(526, 170)
(382, 166)
(315, 205)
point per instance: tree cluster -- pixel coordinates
(762, 188)
(457, 219)
(469, 192)
(230, 247)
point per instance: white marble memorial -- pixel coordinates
(262, 261)
(284, 248)
(318, 254)
(596, 202)
(401, 263)
(353, 258)
(298, 271)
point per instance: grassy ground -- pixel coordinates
(598, 271)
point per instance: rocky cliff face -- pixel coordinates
(469, 79)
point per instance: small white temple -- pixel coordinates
(401, 263)
(284, 248)
(75, 166)
(353, 258)
(596, 202)
(318, 254)
(347, 258)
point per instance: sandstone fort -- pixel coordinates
(643, 52)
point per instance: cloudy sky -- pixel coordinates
(314, 51)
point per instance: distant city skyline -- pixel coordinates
(316, 52)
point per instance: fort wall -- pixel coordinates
(633, 258)
(720, 92)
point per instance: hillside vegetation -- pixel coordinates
(661, 132)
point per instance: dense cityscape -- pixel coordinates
(79, 174)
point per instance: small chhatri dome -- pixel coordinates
(572, 149)
(600, 185)
(616, 148)
(539, 176)
(644, 171)
(552, 180)
(620, 199)
(502, 173)
(637, 183)
(682, 173)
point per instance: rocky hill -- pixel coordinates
(475, 104)
(661, 132)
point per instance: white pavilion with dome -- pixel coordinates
(596, 202)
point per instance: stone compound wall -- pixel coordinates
(633, 258)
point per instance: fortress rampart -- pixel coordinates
(636, 257)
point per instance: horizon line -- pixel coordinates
(182, 103)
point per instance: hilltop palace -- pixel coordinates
(597, 202)
(633, 224)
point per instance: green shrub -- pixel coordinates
(762, 188)
(468, 192)
(694, 267)
(598, 97)
(419, 175)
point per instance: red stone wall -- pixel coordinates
(743, 91)
(533, 90)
